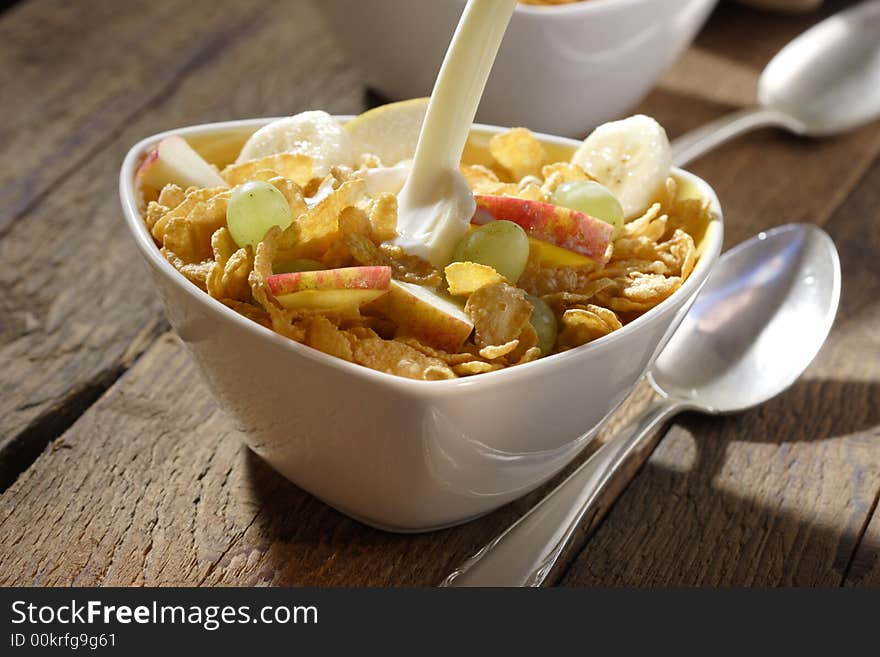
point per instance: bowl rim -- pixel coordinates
(144, 241)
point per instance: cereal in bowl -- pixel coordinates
(298, 235)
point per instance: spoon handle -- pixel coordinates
(698, 142)
(524, 555)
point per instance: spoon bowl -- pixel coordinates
(828, 78)
(757, 324)
(824, 82)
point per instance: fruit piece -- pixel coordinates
(502, 245)
(254, 207)
(591, 198)
(420, 312)
(550, 255)
(464, 278)
(560, 226)
(328, 299)
(631, 158)
(301, 264)
(373, 277)
(330, 289)
(173, 160)
(544, 322)
(390, 131)
(314, 133)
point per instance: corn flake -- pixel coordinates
(324, 335)
(464, 278)
(472, 367)
(313, 232)
(519, 152)
(500, 312)
(181, 210)
(493, 352)
(383, 218)
(395, 357)
(561, 172)
(228, 278)
(582, 325)
(296, 167)
(249, 310)
(479, 178)
(450, 359)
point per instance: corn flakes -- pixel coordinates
(335, 223)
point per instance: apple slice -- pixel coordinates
(422, 313)
(562, 227)
(175, 161)
(329, 289)
(550, 255)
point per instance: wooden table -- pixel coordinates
(120, 469)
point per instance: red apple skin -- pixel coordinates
(346, 278)
(147, 163)
(563, 227)
(173, 160)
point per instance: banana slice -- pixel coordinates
(314, 133)
(390, 131)
(631, 158)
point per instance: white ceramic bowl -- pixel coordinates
(561, 69)
(396, 453)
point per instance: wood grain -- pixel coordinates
(78, 76)
(152, 486)
(76, 306)
(865, 566)
(780, 495)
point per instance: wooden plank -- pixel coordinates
(157, 489)
(864, 570)
(78, 75)
(74, 310)
(780, 495)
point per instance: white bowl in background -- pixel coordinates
(561, 69)
(396, 453)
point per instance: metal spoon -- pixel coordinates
(825, 82)
(758, 322)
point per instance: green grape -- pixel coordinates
(255, 207)
(302, 264)
(591, 198)
(502, 245)
(544, 321)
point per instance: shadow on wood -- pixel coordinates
(728, 528)
(291, 523)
